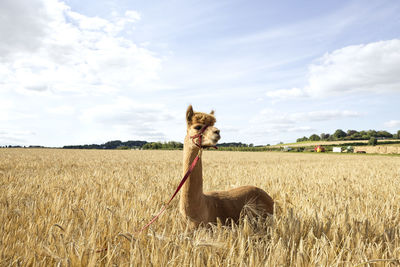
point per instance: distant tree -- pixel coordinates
(324, 136)
(233, 144)
(251, 145)
(348, 137)
(372, 133)
(314, 137)
(152, 145)
(384, 134)
(351, 132)
(157, 145)
(112, 144)
(372, 141)
(339, 134)
(351, 135)
(304, 138)
(356, 136)
(174, 145)
(132, 144)
(171, 145)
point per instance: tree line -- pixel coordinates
(171, 145)
(340, 135)
(116, 144)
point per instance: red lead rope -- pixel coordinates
(196, 159)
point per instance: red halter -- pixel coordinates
(199, 136)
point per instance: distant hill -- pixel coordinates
(353, 135)
(338, 142)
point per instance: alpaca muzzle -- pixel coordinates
(197, 139)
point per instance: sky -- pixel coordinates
(82, 72)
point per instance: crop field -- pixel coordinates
(83, 207)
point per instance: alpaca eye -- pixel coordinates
(198, 127)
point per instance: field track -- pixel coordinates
(82, 207)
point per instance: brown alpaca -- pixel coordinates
(199, 207)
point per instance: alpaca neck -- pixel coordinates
(192, 190)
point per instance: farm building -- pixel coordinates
(337, 150)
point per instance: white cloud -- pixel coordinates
(50, 48)
(271, 122)
(324, 115)
(274, 116)
(392, 123)
(9, 110)
(64, 110)
(22, 26)
(14, 137)
(275, 131)
(285, 128)
(287, 93)
(370, 68)
(301, 129)
(312, 29)
(229, 129)
(129, 118)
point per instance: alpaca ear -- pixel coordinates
(189, 114)
(212, 112)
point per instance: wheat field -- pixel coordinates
(82, 208)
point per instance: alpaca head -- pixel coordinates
(196, 121)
